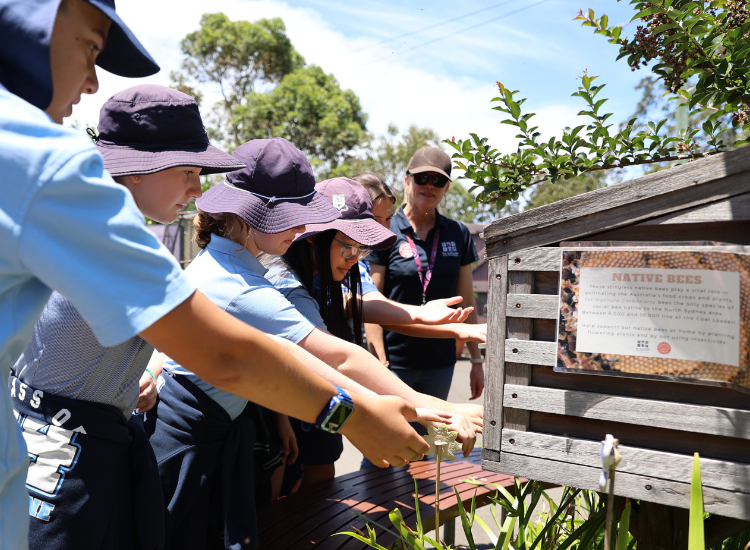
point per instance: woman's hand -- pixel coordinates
(473, 413)
(439, 312)
(476, 380)
(147, 393)
(467, 433)
(465, 332)
(288, 439)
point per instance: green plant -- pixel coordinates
(696, 537)
(576, 523)
(706, 43)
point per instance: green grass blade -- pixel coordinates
(696, 538)
(486, 528)
(464, 520)
(368, 542)
(622, 536)
(420, 530)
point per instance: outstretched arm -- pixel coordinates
(229, 354)
(463, 332)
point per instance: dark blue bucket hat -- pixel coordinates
(150, 128)
(25, 34)
(275, 192)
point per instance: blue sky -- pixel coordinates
(447, 84)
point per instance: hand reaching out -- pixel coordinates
(146, 393)
(439, 312)
(288, 439)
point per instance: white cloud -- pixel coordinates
(392, 91)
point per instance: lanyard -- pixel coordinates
(424, 278)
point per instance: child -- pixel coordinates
(201, 436)
(66, 226)
(317, 264)
(153, 143)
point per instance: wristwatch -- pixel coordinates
(335, 415)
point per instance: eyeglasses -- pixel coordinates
(350, 251)
(437, 180)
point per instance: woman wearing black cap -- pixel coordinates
(431, 259)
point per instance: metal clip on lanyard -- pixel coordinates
(424, 278)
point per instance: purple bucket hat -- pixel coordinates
(275, 192)
(357, 221)
(149, 128)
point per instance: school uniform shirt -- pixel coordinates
(368, 285)
(402, 284)
(232, 278)
(315, 446)
(65, 225)
(65, 358)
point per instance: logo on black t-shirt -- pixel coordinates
(449, 249)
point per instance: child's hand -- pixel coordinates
(288, 439)
(147, 393)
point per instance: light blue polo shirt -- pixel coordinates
(286, 281)
(232, 278)
(65, 225)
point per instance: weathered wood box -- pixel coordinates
(546, 425)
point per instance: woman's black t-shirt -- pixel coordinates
(402, 284)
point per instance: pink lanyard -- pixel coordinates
(424, 278)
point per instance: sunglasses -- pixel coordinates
(350, 251)
(436, 179)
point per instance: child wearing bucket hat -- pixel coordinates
(101, 384)
(311, 275)
(66, 226)
(203, 438)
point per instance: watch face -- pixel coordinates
(338, 416)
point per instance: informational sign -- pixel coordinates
(669, 312)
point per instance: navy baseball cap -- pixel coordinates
(25, 34)
(123, 54)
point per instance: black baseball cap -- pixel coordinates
(430, 159)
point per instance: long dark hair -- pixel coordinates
(301, 257)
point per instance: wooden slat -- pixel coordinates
(641, 487)
(536, 259)
(518, 372)
(651, 196)
(531, 352)
(643, 412)
(497, 283)
(646, 437)
(720, 474)
(534, 306)
(732, 209)
(687, 391)
(737, 232)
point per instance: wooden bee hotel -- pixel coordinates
(626, 311)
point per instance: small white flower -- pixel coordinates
(610, 458)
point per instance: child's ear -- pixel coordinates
(311, 240)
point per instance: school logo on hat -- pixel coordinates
(339, 202)
(405, 250)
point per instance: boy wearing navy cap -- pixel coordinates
(65, 225)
